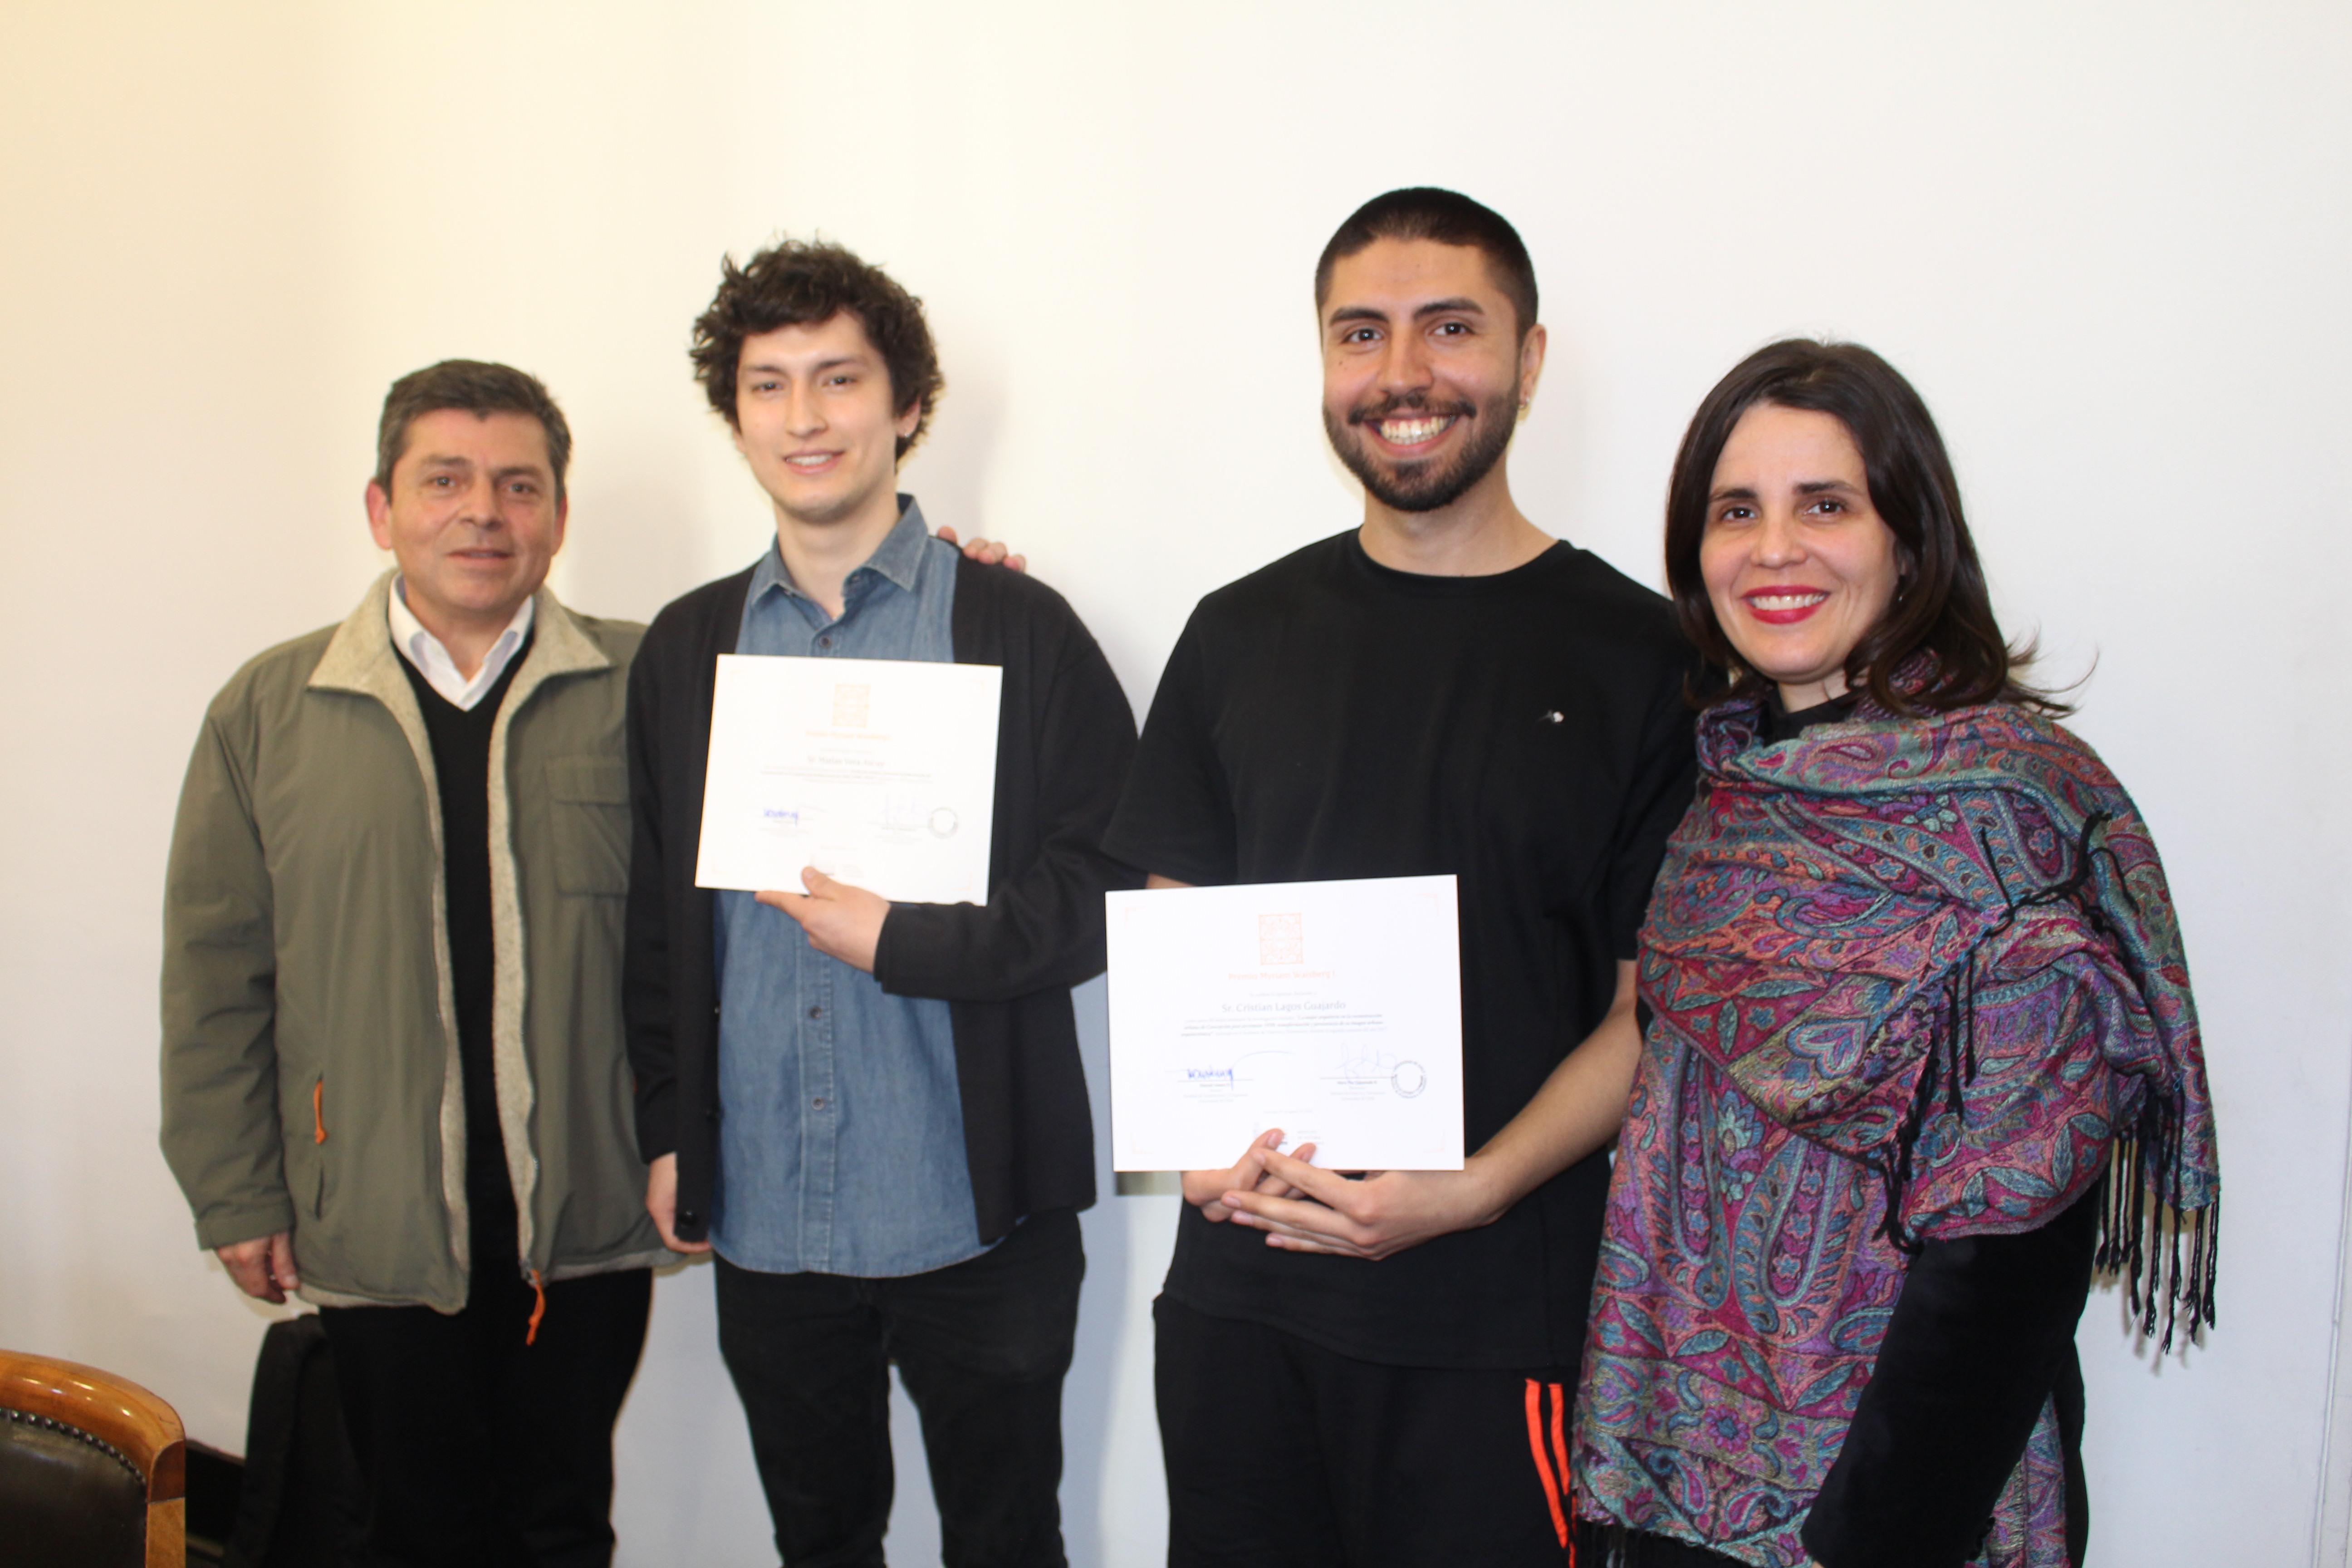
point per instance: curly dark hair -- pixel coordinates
(804, 283)
(1941, 608)
(474, 386)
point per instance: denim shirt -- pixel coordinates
(841, 1141)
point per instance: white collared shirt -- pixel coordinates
(424, 650)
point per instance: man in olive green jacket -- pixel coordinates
(394, 1076)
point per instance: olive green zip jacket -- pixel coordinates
(311, 1079)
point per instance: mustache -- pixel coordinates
(1410, 402)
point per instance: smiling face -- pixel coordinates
(472, 516)
(1424, 370)
(814, 419)
(1798, 563)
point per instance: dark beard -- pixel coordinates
(1422, 484)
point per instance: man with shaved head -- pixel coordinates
(1373, 1368)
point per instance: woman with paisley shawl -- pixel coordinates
(1920, 1051)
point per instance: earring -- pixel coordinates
(1524, 403)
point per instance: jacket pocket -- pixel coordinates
(318, 1153)
(590, 818)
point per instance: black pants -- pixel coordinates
(1282, 1454)
(1634, 1549)
(982, 1347)
(476, 1448)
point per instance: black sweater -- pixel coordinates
(461, 769)
(1064, 736)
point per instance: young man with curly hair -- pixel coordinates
(873, 1112)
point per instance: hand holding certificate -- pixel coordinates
(880, 772)
(1331, 1010)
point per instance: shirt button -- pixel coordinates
(816, 1011)
(824, 642)
(818, 1102)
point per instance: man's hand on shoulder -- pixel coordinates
(262, 1267)
(987, 551)
(1377, 1217)
(842, 922)
(661, 1202)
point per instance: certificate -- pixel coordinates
(879, 772)
(1331, 1010)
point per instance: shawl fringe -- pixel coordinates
(2142, 1227)
(2142, 1223)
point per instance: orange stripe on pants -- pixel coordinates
(1543, 1460)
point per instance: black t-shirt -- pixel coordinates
(1330, 718)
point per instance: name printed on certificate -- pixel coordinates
(880, 772)
(1331, 1010)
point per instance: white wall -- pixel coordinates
(2108, 242)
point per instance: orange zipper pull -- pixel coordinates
(538, 1308)
(318, 1111)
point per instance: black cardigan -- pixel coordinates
(1064, 737)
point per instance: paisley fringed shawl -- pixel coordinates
(1909, 980)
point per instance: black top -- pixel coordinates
(461, 769)
(1982, 1335)
(1777, 723)
(1329, 718)
(1064, 736)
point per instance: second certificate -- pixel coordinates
(881, 773)
(1331, 1010)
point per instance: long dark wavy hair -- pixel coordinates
(1939, 631)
